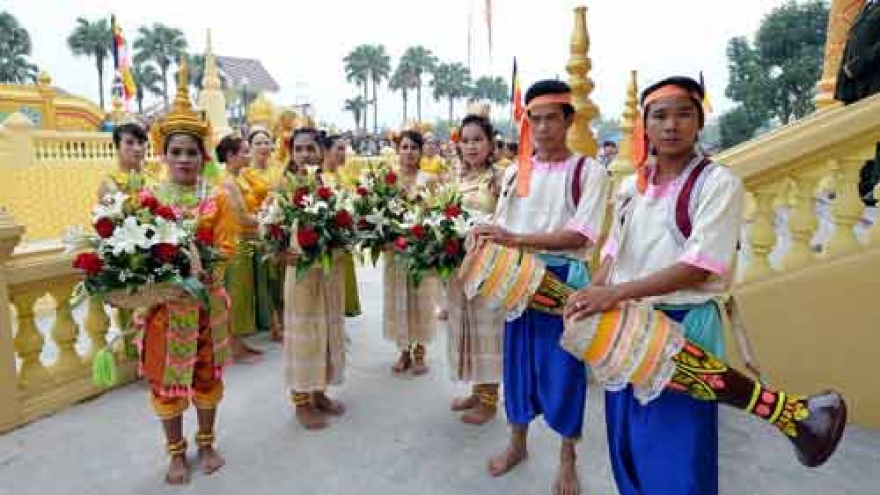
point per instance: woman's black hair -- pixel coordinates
(413, 136)
(482, 122)
(228, 145)
(256, 133)
(132, 129)
(317, 135)
(198, 139)
(331, 140)
(486, 125)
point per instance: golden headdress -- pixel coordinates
(481, 108)
(182, 119)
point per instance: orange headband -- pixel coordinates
(640, 138)
(524, 172)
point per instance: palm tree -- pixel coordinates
(422, 61)
(493, 89)
(92, 39)
(378, 68)
(357, 72)
(403, 80)
(163, 46)
(15, 48)
(356, 106)
(451, 81)
(146, 77)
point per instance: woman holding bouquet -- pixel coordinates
(245, 197)
(335, 175)
(183, 340)
(475, 331)
(314, 319)
(408, 311)
(268, 275)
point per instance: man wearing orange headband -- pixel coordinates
(552, 202)
(672, 245)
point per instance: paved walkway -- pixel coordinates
(397, 438)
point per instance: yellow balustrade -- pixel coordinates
(809, 315)
(48, 179)
(36, 388)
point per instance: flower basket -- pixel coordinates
(146, 296)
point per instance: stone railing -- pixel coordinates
(802, 180)
(48, 179)
(46, 346)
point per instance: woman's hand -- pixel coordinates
(591, 300)
(288, 257)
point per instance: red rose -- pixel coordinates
(400, 243)
(299, 196)
(148, 200)
(343, 219)
(363, 224)
(418, 232)
(452, 211)
(104, 227)
(167, 213)
(89, 263)
(165, 252)
(451, 247)
(391, 178)
(205, 235)
(306, 237)
(362, 191)
(276, 232)
(325, 193)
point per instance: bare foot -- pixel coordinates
(210, 461)
(327, 405)
(178, 471)
(479, 415)
(419, 368)
(465, 403)
(442, 315)
(251, 350)
(567, 482)
(310, 418)
(276, 332)
(502, 463)
(403, 363)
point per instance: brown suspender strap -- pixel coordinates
(576, 182)
(683, 202)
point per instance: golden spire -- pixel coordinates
(580, 136)
(622, 164)
(182, 118)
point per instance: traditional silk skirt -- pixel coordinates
(240, 287)
(352, 298)
(476, 337)
(408, 311)
(314, 329)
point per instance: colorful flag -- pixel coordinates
(707, 103)
(516, 96)
(121, 61)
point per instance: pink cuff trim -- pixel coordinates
(706, 263)
(582, 229)
(609, 250)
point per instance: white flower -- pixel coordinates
(316, 208)
(312, 170)
(167, 232)
(110, 206)
(129, 237)
(378, 221)
(75, 239)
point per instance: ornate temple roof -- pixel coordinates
(236, 70)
